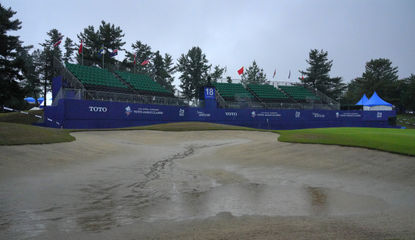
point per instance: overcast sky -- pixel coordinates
(276, 34)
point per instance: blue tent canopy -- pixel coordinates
(375, 100)
(30, 100)
(363, 100)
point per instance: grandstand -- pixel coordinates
(97, 83)
(271, 96)
(94, 97)
(306, 97)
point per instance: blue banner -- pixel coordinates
(82, 114)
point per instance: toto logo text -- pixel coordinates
(232, 114)
(97, 109)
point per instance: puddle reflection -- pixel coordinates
(262, 199)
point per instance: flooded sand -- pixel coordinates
(218, 184)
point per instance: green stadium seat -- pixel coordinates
(144, 84)
(229, 90)
(269, 94)
(97, 79)
(298, 93)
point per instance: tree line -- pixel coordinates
(28, 72)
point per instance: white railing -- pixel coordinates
(70, 93)
(220, 99)
(67, 75)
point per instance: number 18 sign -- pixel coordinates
(209, 93)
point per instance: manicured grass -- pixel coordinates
(400, 141)
(17, 134)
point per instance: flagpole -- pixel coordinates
(103, 55)
(82, 51)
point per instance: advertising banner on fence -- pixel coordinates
(74, 113)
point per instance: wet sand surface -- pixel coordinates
(203, 185)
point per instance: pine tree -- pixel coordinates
(217, 73)
(107, 35)
(111, 38)
(194, 71)
(48, 55)
(353, 94)
(69, 50)
(381, 77)
(142, 52)
(170, 70)
(408, 94)
(158, 67)
(254, 75)
(317, 75)
(91, 45)
(161, 69)
(31, 72)
(11, 64)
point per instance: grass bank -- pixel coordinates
(406, 120)
(18, 134)
(16, 117)
(400, 141)
(191, 126)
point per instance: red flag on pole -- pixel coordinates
(80, 48)
(135, 54)
(145, 61)
(275, 71)
(240, 71)
(59, 40)
(114, 53)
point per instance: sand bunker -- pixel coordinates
(204, 185)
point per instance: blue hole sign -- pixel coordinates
(209, 93)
